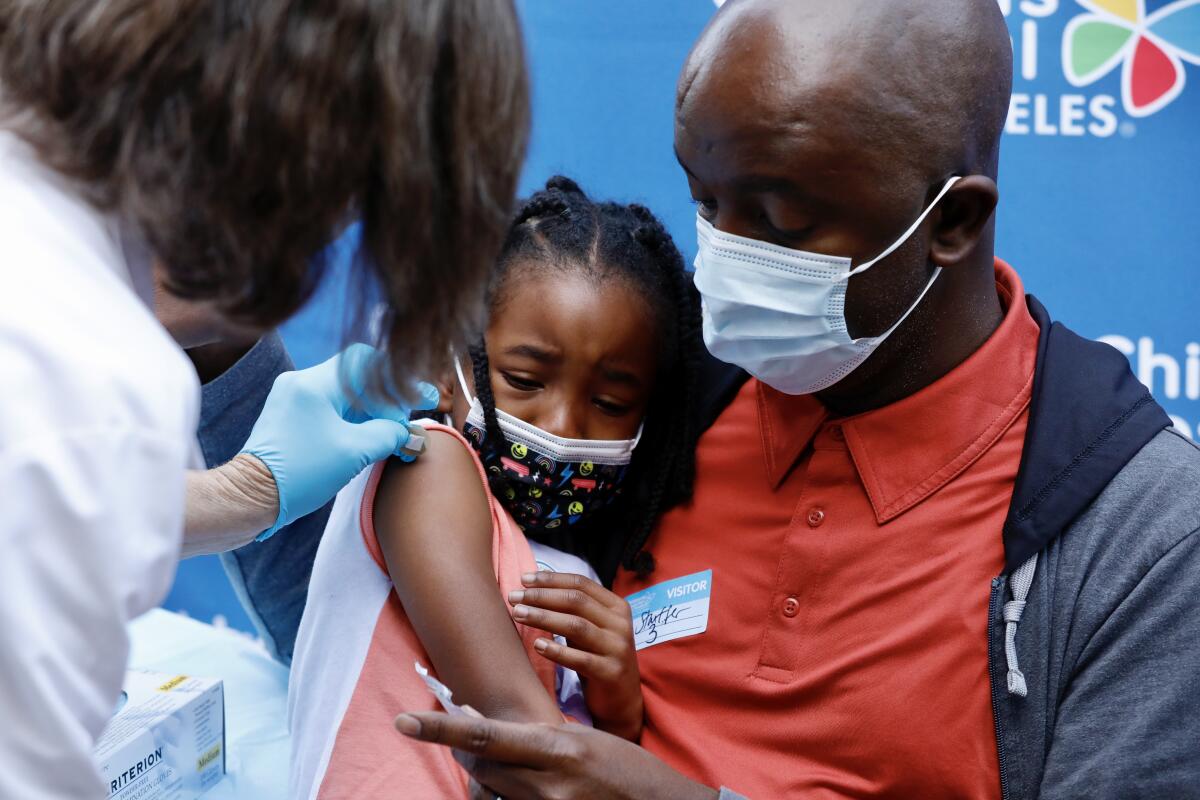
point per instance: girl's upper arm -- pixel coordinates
(435, 529)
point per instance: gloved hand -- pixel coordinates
(318, 430)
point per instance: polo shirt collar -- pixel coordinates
(787, 424)
(910, 449)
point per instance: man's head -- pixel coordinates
(240, 137)
(829, 125)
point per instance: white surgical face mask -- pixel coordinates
(608, 452)
(545, 481)
(780, 314)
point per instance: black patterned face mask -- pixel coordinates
(545, 481)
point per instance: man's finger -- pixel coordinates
(526, 744)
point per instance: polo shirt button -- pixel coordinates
(791, 607)
(836, 433)
(815, 517)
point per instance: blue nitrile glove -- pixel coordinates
(318, 430)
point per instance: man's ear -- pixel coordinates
(962, 220)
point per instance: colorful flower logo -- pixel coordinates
(1151, 49)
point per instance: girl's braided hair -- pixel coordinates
(560, 227)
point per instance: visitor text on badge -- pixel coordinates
(671, 610)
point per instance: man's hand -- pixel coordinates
(598, 628)
(547, 762)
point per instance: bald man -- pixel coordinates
(947, 548)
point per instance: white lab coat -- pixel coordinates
(98, 413)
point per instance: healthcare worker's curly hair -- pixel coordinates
(240, 137)
(561, 228)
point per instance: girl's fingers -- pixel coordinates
(577, 630)
(586, 664)
(570, 601)
(569, 581)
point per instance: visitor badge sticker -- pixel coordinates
(671, 610)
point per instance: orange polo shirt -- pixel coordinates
(846, 647)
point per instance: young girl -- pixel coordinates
(573, 432)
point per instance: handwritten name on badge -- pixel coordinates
(671, 610)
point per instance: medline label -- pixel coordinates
(671, 610)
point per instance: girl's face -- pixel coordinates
(573, 356)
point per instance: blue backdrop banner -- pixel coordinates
(1098, 180)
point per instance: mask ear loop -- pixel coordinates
(907, 234)
(462, 381)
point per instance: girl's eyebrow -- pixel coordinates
(532, 351)
(622, 376)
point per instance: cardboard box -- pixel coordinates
(166, 740)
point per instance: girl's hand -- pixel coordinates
(598, 627)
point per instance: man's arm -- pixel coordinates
(1127, 724)
(537, 762)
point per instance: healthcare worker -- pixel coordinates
(227, 142)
